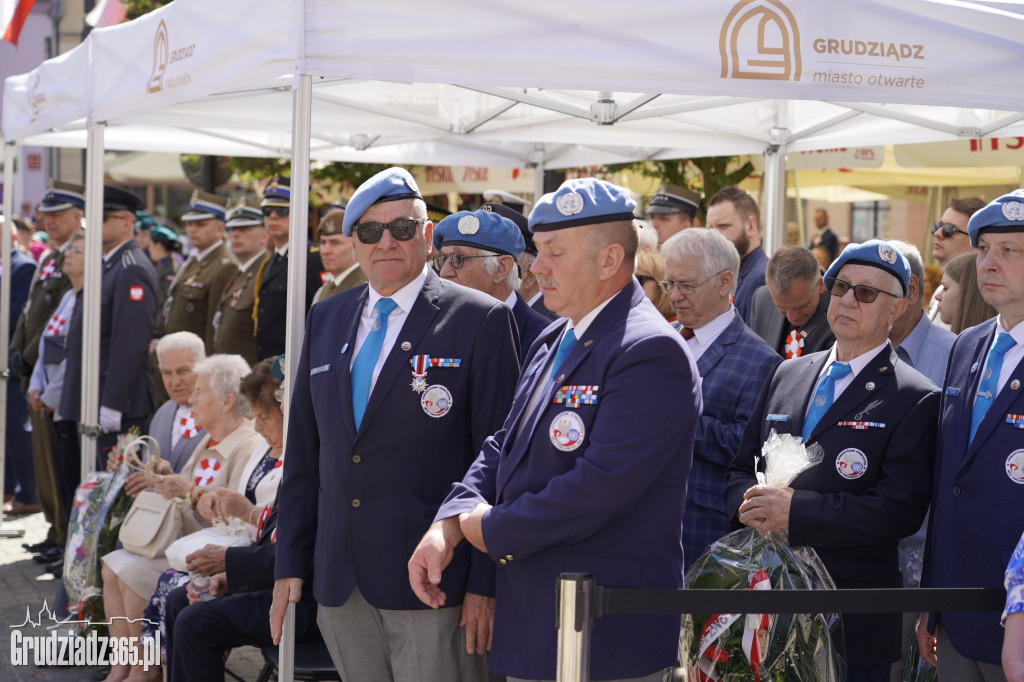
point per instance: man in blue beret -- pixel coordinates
(873, 417)
(975, 516)
(478, 250)
(528, 287)
(588, 472)
(399, 383)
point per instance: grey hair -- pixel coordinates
(791, 263)
(491, 266)
(913, 256)
(181, 341)
(225, 373)
(648, 236)
(718, 252)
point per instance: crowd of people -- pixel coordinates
(487, 399)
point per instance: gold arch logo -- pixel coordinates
(161, 58)
(35, 98)
(760, 40)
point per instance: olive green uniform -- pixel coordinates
(193, 295)
(234, 330)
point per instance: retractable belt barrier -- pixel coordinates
(580, 601)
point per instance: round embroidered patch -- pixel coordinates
(1015, 466)
(469, 224)
(436, 401)
(567, 431)
(570, 203)
(851, 463)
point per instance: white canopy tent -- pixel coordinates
(542, 84)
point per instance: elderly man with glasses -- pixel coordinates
(701, 267)
(479, 250)
(874, 418)
(399, 383)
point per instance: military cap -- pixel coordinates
(243, 216)
(392, 184)
(500, 196)
(674, 199)
(1005, 214)
(119, 199)
(519, 219)
(144, 222)
(337, 205)
(62, 196)
(162, 235)
(278, 192)
(332, 223)
(278, 367)
(204, 206)
(584, 201)
(877, 254)
(481, 229)
(437, 213)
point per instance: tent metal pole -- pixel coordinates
(10, 153)
(538, 173)
(89, 418)
(302, 109)
(774, 195)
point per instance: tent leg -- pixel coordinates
(89, 417)
(538, 173)
(774, 197)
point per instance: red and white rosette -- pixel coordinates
(204, 472)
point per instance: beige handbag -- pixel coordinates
(154, 521)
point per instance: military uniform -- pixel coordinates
(353, 277)
(232, 324)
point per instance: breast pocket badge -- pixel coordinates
(436, 401)
(851, 464)
(1015, 466)
(567, 431)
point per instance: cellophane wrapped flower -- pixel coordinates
(99, 509)
(728, 647)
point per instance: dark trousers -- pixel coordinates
(199, 635)
(19, 467)
(879, 674)
(67, 462)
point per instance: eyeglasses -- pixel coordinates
(282, 211)
(401, 229)
(644, 279)
(861, 292)
(454, 259)
(685, 288)
(948, 229)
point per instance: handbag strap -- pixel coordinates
(151, 449)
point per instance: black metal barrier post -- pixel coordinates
(580, 601)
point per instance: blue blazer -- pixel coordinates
(128, 313)
(854, 522)
(607, 499)
(18, 439)
(751, 278)
(978, 498)
(356, 503)
(530, 324)
(733, 370)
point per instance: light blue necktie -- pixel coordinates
(987, 387)
(362, 368)
(824, 396)
(564, 346)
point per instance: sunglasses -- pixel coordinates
(948, 229)
(861, 292)
(282, 211)
(454, 259)
(401, 229)
(644, 279)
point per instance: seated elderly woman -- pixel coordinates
(218, 460)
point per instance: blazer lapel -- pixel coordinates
(416, 325)
(344, 358)
(716, 351)
(1000, 405)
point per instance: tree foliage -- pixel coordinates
(705, 175)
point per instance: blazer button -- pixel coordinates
(956, 491)
(502, 562)
(356, 459)
(356, 503)
(509, 557)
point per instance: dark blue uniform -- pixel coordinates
(530, 324)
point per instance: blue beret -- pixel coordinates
(481, 229)
(521, 221)
(120, 199)
(878, 254)
(586, 201)
(392, 184)
(278, 192)
(1005, 214)
(204, 206)
(62, 196)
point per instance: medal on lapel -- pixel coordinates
(420, 365)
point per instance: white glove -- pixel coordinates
(110, 420)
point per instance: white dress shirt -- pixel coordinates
(704, 336)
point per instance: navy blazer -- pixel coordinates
(853, 521)
(22, 270)
(539, 307)
(128, 313)
(530, 324)
(356, 503)
(978, 497)
(272, 302)
(733, 370)
(750, 279)
(607, 499)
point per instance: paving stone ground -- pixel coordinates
(24, 582)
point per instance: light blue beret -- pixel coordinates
(481, 229)
(1005, 214)
(392, 184)
(585, 201)
(878, 254)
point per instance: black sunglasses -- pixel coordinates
(948, 229)
(644, 279)
(282, 211)
(861, 292)
(401, 229)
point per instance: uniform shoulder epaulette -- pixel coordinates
(128, 259)
(314, 249)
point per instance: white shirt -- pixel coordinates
(704, 336)
(1012, 356)
(283, 251)
(178, 428)
(110, 254)
(404, 299)
(248, 264)
(534, 299)
(348, 271)
(856, 365)
(511, 300)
